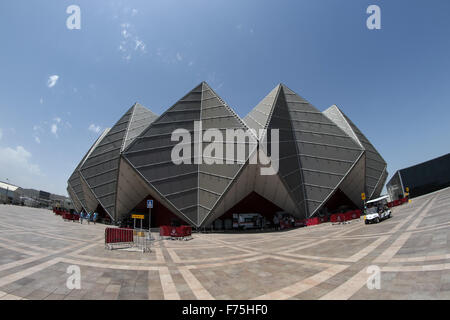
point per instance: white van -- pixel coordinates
(246, 220)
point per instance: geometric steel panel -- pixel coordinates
(319, 153)
(215, 179)
(375, 164)
(193, 189)
(326, 152)
(100, 169)
(315, 154)
(74, 184)
(353, 183)
(150, 155)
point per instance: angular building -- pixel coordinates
(317, 162)
(422, 178)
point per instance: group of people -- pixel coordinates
(287, 221)
(89, 216)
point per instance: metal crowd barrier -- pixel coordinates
(122, 238)
(175, 233)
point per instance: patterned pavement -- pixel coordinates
(321, 262)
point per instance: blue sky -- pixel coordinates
(394, 83)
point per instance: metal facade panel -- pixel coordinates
(353, 183)
(375, 164)
(76, 203)
(380, 184)
(91, 202)
(241, 186)
(394, 187)
(289, 166)
(334, 114)
(215, 179)
(318, 153)
(150, 155)
(259, 116)
(100, 170)
(329, 151)
(140, 119)
(74, 182)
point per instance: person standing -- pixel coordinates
(276, 222)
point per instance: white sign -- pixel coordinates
(149, 204)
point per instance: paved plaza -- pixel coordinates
(319, 262)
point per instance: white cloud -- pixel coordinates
(134, 12)
(38, 141)
(130, 42)
(125, 34)
(94, 128)
(140, 45)
(51, 82)
(16, 163)
(179, 57)
(54, 129)
(41, 101)
(57, 119)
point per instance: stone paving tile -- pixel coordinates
(325, 261)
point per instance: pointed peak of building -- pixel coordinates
(259, 116)
(333, 107)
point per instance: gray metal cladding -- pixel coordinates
(150, 155)
(380, 185)
(395, 187)
(74, 183)
(193, 189)
(140, 119)
(353, 183)
(259, 115)
(375, 164)
(214, 179)
(325, 152)
(289, 166)
(100, 169)
(76, 203)
(318, 153)
(315, 154)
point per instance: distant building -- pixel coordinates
(9, 193)
(421, 179)
(325, 163)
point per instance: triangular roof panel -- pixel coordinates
(100, 169)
